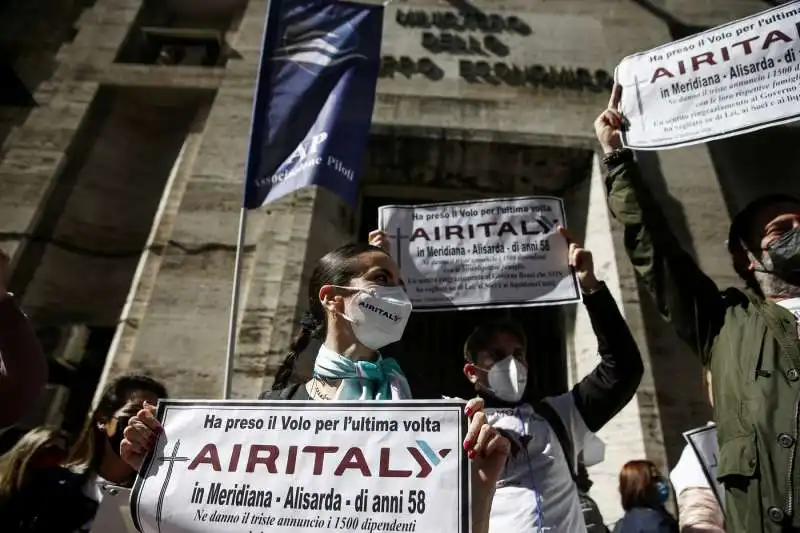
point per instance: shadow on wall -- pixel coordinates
(31, 33)
(759, 163)
(685, 407)
(677, 29)
(576, 202)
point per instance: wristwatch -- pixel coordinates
(617, 157)
(589, 292)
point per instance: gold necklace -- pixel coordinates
(316, 390)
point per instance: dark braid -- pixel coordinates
(338, 267)
(309, 329)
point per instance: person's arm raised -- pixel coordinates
(685, 296)
(611, 385)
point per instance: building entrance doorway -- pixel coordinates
(403, 168)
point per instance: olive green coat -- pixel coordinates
(751, 346)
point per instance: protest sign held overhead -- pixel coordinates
(306, 467)
(481, 254)
(733, 79)
(314, 98)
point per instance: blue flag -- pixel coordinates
(314, 97)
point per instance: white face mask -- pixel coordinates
(378, 314)
(508, 378)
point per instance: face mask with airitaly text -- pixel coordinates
(378, 314)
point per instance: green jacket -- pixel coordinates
(751, 347)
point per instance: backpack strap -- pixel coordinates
(287, 393)
(547, 412)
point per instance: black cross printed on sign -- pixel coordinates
(172, 459)
(398, 236)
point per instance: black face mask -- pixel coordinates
(784, 253)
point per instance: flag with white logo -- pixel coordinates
(314, 98)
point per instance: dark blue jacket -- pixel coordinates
(647, 520)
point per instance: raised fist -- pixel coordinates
(608, 126)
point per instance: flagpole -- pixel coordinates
(234, 315)
(253, 148)
(260, 137)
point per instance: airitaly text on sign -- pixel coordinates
(733, 79)
(293, 466)
(481, 254)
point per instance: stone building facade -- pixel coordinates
(121, 187)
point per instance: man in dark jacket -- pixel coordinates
(23, 368)
(748, 338)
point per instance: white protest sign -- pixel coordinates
(733, 79)
(295, 467)
(481, 254)
(703, 441)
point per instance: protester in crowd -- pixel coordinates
(23, 367)
(591, 512)
(644, 491)
(748, 338)
(38, 495)
(537, 488)
(357, 305)
(95, 455)
(699, 510)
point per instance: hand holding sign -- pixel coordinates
(317, 466)
(484, 444)
(380, 239)
(141, 436)
(489, 451)
(608, 126)
(581, 260)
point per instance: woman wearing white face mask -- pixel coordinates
(357, 305)
(537, 490)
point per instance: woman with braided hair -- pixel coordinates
(357, 305)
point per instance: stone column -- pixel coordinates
(625, 435)
(175, 323)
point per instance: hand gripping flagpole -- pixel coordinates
(260, 101)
